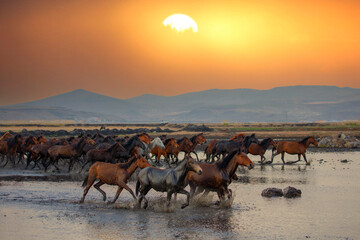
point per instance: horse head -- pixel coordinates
(142, 162)
(192, 165)
(313, 141)
(145, 138)
(200, 139)
(244, 160)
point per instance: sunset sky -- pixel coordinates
(122, 49)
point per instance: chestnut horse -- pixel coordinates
(217, 176)
(145, 138)
(158, 151)
(113, 174)
(260, 148)
(67, 151)
(298, 148)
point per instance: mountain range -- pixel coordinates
(281, 104)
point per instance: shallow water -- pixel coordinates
(45, 208)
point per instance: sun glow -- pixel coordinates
(180, 22)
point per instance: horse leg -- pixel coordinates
(143, 192)
(90, 182)
(282, 157)
(97, 187)
(169, 194)
(182, 191)
(71, 164)
(7, 160)
(192, 189)
(307, 163)
(122, 185)
(197, 157)
(119, 190)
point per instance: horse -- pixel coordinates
(102, 155)
(197, 139)
(225, 147)
(6, 135)
(25, 146)
(156, 142)
(129, 146)
(238, 137)
(39, 151)
(158, 151)
(298, 148)
(113, 174)
(185, 145)
(144, 137)
(67, 151)
(12, 145)
(171, 180)
(260, 148)
(209, 148)
(217, 176)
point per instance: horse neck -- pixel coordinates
(181, 171)
(231, 167)
(307, 143)
(132, 168)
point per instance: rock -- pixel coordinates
(291, 192)
(344, 161)
(272, 192)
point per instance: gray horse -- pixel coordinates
(166, 180)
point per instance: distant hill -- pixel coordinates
(282, 104)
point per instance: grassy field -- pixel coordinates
(221, 130)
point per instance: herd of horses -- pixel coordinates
(112, 160)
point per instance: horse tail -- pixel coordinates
(137, 187)
(85, 181)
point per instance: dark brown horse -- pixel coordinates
(103, 155)
(260, 148)
(209, 148)
(67, 151)
(195, 140)
(217, 176)
(298, 148)
(13, 143)
(113, 174)
(25, 146)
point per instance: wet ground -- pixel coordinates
(38, 206)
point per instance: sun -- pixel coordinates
(181, 22)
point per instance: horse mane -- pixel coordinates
(223, 164)
(78, 145)
(128, 163)
(265, 142)
(112, 147)
(304, 140)
(167, 141)
(192, 139)
(12, 141)
(28, 139)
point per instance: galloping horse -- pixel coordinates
(217, 176)
(185, 145)
(260, 148)
(129, 147)
(158, 151)
(197, 139)
(113, 174)
(103, 155)
(12, 145)
(26, 146)
(225, 147)
(209, 148)
(169, 180)
(298, 148)
(67, 151)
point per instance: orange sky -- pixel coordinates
(121, 48)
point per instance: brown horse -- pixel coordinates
(25, 146)
(12, 144)
(195, 140)
(298, 148)
(260, 148)
(145, 138)
(103, 155)
(67, 151)
(217, 176)
(169, 148)
(113, 174)
(6, 135)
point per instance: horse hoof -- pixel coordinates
(217, 203)
(184, 206)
